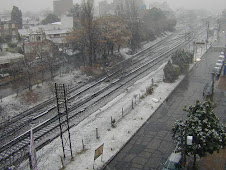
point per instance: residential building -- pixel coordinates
(9, 28)
(60, 7)
(36, 42)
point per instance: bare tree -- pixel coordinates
(87, 22)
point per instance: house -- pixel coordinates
(40, 35)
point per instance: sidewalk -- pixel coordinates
(222, 83)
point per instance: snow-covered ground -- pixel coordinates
(13, 105)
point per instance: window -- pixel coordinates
(56, 35)
(6, 26)
(38, 38)
(6, 31)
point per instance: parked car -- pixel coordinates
(208, 89)
(219, 63)
(221, 57)
(173, 162)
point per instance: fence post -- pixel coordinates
(62, 161)
(122, 112)
(97, 136)
(83, 146)
(132, 105)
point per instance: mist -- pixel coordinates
(37, 5)
(194, 4)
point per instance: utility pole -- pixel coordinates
(62, 101)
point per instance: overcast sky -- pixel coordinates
(37, 5)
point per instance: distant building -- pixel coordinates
(60, 7)
(5, 16)
(9, 28)
(27, 22)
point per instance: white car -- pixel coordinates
(173, 162)
(219, 63)
(216, 69)
(221, 57)
(222, 53)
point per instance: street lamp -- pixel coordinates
(189, 140)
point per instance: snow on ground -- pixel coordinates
(149, 44)
(13, 105)
(49, 156)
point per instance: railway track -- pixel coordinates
(17, 150)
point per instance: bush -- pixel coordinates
(12, 45)
(182, 59)
(170, 72)
(150, 90)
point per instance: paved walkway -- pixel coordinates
(152, 144)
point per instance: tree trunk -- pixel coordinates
(112, 49)
(119, 48)
(194, 162)
(29, 82)
(94, 55)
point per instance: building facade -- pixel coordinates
(60, 7)
(9, 28)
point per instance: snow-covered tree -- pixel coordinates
(50, 18)
(205, 127)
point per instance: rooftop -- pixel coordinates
(7, 57)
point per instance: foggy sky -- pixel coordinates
(37, 5)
